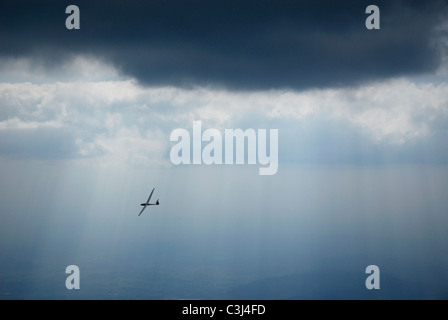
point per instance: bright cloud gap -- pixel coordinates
(115, 119)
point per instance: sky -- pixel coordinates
(85, 123)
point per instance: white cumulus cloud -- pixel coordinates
(122, 121)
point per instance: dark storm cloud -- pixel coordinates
(240, 44)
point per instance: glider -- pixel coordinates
(144, 205)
